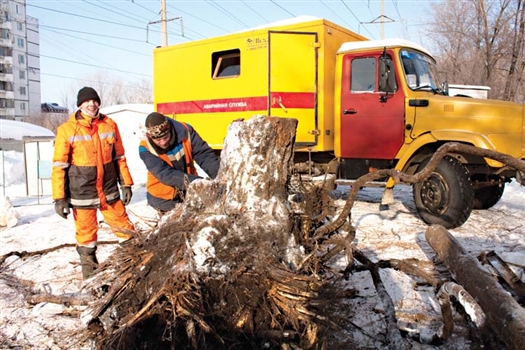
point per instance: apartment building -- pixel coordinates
(19, 62)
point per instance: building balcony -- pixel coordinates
(9, 113)
(6, 43)
(8, 95)
(6, 25)
(6, 60)
(6, 77)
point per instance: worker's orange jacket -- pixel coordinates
(89, 162)
(166, 171)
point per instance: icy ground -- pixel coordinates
(397, 233)
(393, 234)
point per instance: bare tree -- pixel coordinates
(49, 121)
(140, 92)
(481, 42)
(68, 96)
(112, 90)
(515, 81)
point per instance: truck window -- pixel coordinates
(226, 64)
(420, 70)
(363, 74)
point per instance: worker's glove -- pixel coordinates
(126, 194)
(62, 207)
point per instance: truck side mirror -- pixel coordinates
(387, 81)
(445, 87)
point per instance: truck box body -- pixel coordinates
(283, 71)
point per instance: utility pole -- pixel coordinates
(164, 23)
(382, 16)
(381, 19)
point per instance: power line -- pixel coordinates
(87, 80)
(112, 11)
(95, 42)
(335, 13)
(396, 7)
(95, 66)
(282, 8)
(94, 34)
(86, 17)
(227, 13)
(95, 19)
(72, 51)
(145, 8)
(353, 14)
(200, 19)
(256, 12)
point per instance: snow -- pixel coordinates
(392, 42)
(396, 233)
(285, 22)
(10, 129)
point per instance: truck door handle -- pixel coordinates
(350, 111)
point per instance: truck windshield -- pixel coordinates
(420, 71)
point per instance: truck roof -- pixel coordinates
(294, 23)
(284, 22)
(369, 44)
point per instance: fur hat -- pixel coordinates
(85, 94)
(157, 125)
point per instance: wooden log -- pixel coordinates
(66, 300)
(504, 315)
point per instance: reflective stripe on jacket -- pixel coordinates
(89, 162)
(168, 172)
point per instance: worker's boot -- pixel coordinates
(88, 260)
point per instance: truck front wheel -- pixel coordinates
(446, 197)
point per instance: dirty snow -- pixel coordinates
(396, 233)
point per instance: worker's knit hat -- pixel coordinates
(85, 94)
(157, 125)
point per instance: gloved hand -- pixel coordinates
(62, 207)
(126, 194)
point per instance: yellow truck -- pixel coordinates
(361, 104)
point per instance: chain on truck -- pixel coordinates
(361, 105)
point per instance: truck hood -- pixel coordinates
(484, 123)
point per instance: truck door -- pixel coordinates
(372, 122)
(292, 81)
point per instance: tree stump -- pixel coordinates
(222, 270)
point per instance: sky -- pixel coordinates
(31, 224)
(87, 40)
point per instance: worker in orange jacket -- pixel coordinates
(169, 151)
(88, 166)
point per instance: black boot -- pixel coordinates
(88, 260)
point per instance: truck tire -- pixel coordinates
(446, 197)
(487, 197)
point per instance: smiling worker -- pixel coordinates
(88, 166)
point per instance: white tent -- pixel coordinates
(130, 119)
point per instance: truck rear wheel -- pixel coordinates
(486, 197)
(446, 197)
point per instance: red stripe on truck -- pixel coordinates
(240, 104)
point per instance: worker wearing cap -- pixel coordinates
(168, 151)
(88, 166)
